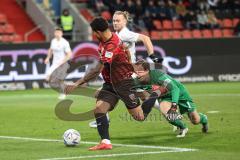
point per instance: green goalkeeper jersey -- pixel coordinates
(176, 90)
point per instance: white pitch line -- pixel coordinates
(87, 142)
(110, 155)
(70, 96)
(212, 112)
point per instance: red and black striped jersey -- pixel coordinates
(115, 58)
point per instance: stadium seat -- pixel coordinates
(1, 29)
(6, 38)
(187, 34)
(227, 23)
(167, 24)
(9, 29)
(207, 33)
(217, 33)
(157, 24)
(176, 35)
(17, 39)
(3, 19)
(196, 33)
(177, 24)
(235, 22)
(86, 14)
(155, 35)
(227, 33)
(107, 15)
(165, 35)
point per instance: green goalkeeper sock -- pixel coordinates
(203, 118)
(178, 123)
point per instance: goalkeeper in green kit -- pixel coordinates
(171, 94)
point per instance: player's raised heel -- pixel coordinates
(101, 146)
(182, 133)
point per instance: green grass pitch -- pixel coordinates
(30, 114)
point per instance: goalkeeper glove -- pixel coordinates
(172, 113)
(155, 58)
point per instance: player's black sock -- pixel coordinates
(148, 104)
(102, 125)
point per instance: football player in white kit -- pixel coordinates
(129, 38)
(61, 52)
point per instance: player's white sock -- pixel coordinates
(157, 105)
(106, 141)
(108, 117)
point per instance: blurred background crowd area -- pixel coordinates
(160, 19)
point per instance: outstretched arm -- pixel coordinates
(147, 43)
(93, 73)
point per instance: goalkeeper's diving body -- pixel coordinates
(173, 95)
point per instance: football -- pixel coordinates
(71, 137)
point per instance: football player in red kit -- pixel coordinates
(117, 70)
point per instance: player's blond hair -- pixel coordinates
(125, 14)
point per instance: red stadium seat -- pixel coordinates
(9, 29)
(155, 35)
(227, 33)
(207, 33)
(107, 15)
(187, 34)
(157, 24)
(177, 24)
(1, 29)
(176, 35)
(235, 21)
(17, 39)
(217, 33)
(196, 33)
(167, 24)
(3, 19)
(165, 35)
(227, 23)
(6, 38)
(86, 14)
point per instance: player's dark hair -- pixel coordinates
(99, 24)
(144, 64)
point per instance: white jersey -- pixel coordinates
(129, 38)
(59, 49)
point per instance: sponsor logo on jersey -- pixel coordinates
(108, 54)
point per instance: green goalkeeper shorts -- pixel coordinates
(184, 105)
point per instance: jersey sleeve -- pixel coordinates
(172, 88)
(67, 47)
(129, 36)
(51, 44)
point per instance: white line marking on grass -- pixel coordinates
(217, 95)
(71, 96)
(111, 155)
(213, 112)
(87, 142)
(165, 149)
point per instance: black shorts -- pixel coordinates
(112, 93)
